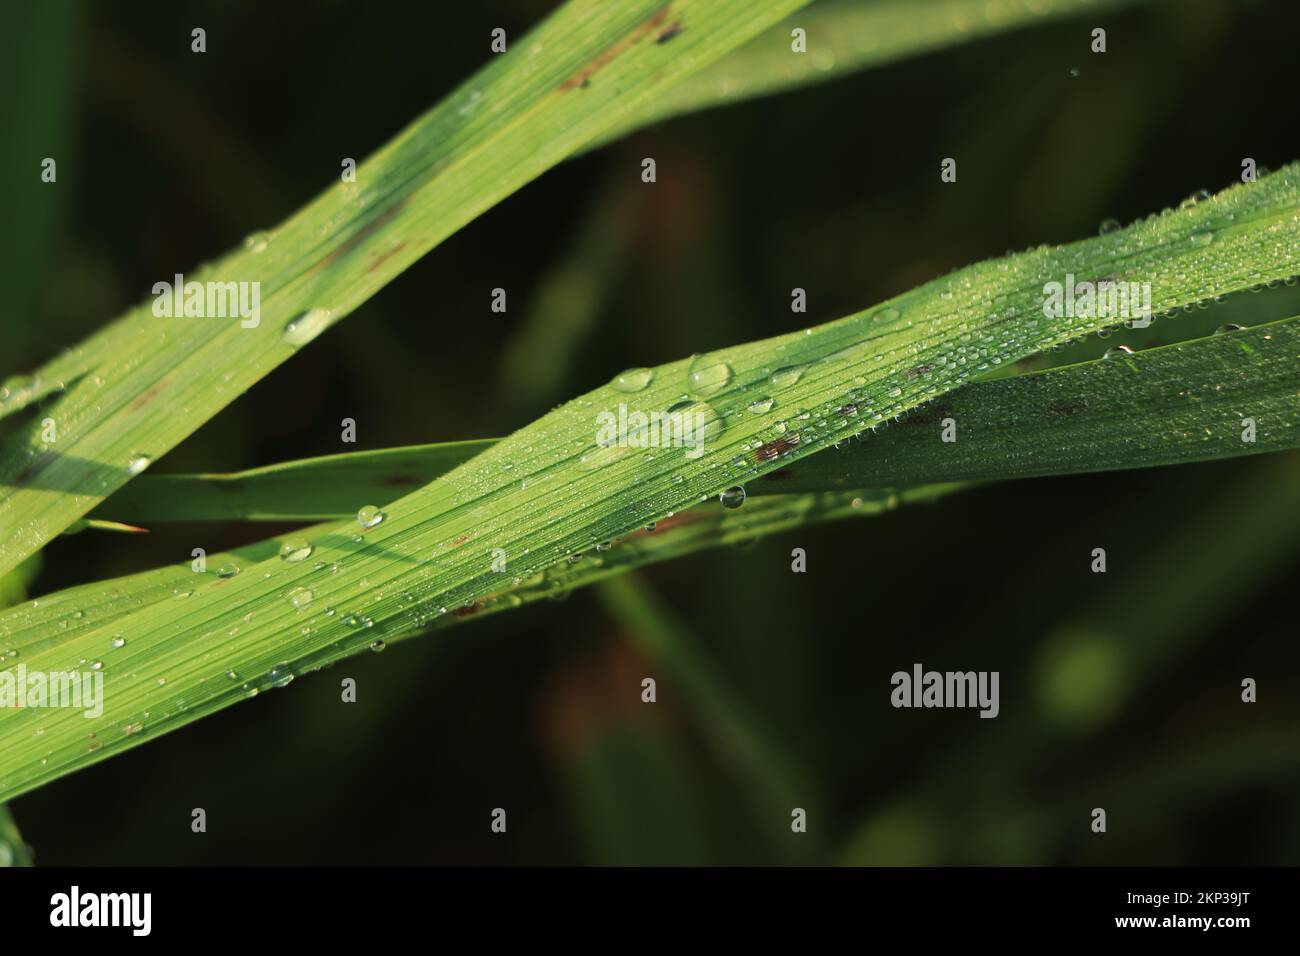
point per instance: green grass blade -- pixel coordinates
(59, 618)
(1165, 406)
(1170, 405)
(310, 489)
(844, 36)
(550, 491)
(147, 382)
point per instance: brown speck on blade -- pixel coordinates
(775, 449)
(582, 78)
(669, 33)
(385, 256)
(362, 234)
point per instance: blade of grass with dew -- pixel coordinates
(13, 589)
(845, 36)
(1170, 405)
(1164, 406)
(848, 36)
(154, 381)
(309, 489)
(553, 490)
(58, 618)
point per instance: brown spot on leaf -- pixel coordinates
(36, 466)
(582, 78)
(384, 257)
(146, 397)
(672, 31)
(773, 450)
(919, 370)
(362, 234)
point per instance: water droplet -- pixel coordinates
(886, 315)
(281, 675)
(708, 376)
(1229, 327)
(650, 526)
(295, 549)
(329, 612)
(604, 545)
(785, 377)
(300, 597)
(306, 327)
(1203, 238)
(633, 380)
(761, 406)
(1116, 351)
(118, 641)
(96, 665)
(1107, 226)
(137, 463)
(573, 558)
(181, 593)
(369, 516)
(256, 242)
(377, 646)
(732, 498)
(16, 387)
(227, 571)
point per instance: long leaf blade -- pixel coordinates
(554, 91)
(551, 490)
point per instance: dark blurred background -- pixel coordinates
(1118, 690)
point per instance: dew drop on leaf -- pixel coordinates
(306, 327)
(633, 380)
(785, 377)
(295, 549)
(281, 675)
(732, 498)
(369, 516)
(708, 376)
